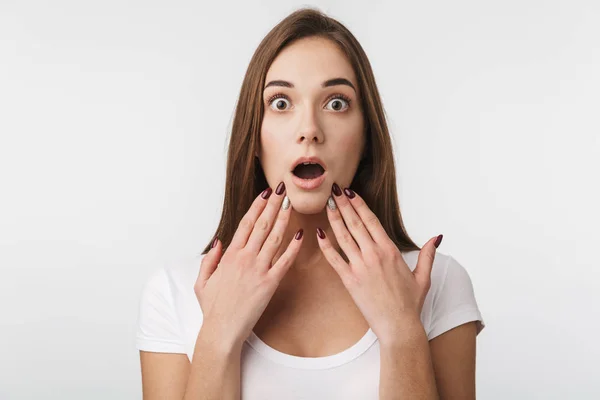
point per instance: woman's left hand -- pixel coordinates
(389, 295)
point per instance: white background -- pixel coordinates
(114, 118)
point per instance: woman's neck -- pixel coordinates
(310, 255)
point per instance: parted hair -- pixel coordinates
(375, 178)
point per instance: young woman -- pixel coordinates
(311, 289)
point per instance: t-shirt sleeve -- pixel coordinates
(455, 303)
(158, 328)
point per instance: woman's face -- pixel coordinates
(307, 117)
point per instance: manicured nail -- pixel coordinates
(331, 203)
(266, 193)
(336, 189)
(280, 189)
(349, 192)
(438, 241)
(299, 234)
(214, 242)
(286, 203)
(321, 233)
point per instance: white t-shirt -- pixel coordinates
(170, 319)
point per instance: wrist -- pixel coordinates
(408, 331)
(223, 341)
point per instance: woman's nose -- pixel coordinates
(309, 128)
(310, 136)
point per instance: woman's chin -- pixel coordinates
(309, 203)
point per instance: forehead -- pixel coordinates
(311, 61)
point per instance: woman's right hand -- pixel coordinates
(234, 295)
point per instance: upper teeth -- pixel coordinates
(306, 163)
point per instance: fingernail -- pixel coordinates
(321, 233)
(280, 189)
(336, 189)
(331, 203)
(286, 203)
(266, 193)
(299, 234)
(214, 242)
(438, 241)
(349, 192)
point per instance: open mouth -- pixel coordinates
(308, 170)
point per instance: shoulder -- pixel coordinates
(451, 298)
(183, 272)
(168, 308)
(173, 277)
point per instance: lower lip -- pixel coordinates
(309, 184)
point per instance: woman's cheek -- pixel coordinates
(351, 146)
(273, 145)
(349, 143)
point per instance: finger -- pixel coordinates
(422, 271)
(342, 234)
(370, 220)
(247, 222)
(275, 237)
(333, 257)
(354, 223)
(210, 261)
(265, 221)
(285, 261)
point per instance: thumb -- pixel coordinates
(425, 260)
(210, 262)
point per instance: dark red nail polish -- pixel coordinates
(280, 189)
(349, 192)
(321, 233)
(336, 189)
(299, 234)
(438, 241)
(266, 193)
(214, 243)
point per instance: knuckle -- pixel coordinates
(338, 263)
(347, 238)
(326, 245)
(282, 216)
(275, 238)
(227, 256)
(371, 255)
(268, 281)
(389, 248)
(262, 224)
(372, 220)
(356, 224)
(336, 217)
(427, 284)
(349, 280)
(246, 223)
(241, 257)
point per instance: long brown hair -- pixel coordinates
(375, 179)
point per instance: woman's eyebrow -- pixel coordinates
(327, 83)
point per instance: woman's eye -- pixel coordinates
(279, 103)
(338, 104)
